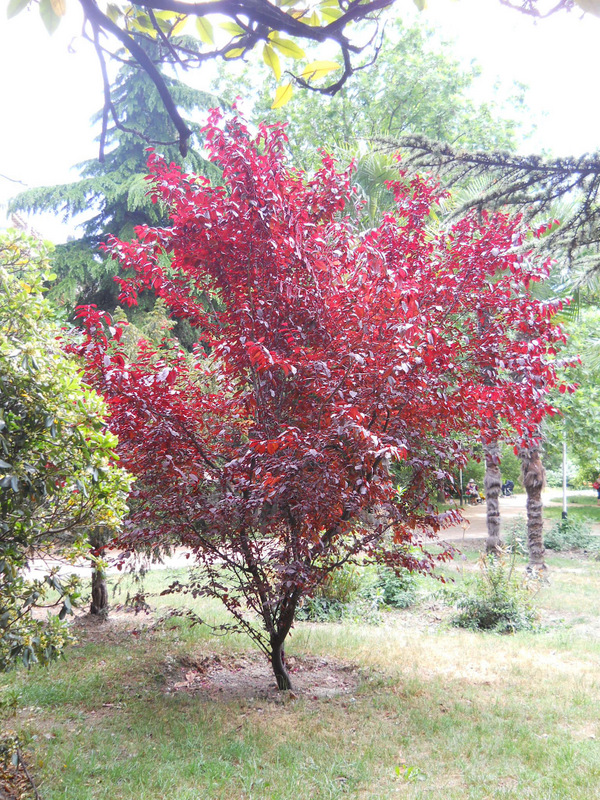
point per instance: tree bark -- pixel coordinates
(534, 480)
(278, 663)
(99, 604)
(492, 488)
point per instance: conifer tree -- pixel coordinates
(115, 188)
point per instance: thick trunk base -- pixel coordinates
(99, 604)
(282, 677)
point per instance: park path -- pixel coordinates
(473, 528)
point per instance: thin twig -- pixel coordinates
(21, 763)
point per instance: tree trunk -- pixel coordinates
(534, 480)
(99, 604)
(492, 488)
(278, 663)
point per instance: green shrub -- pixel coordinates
(497, 601)
(515, 536)
(355, 593)
(570, 534)
(395, 590)
(340, 597)
(341, 585)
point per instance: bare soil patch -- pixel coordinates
(119, 623)
(249, 677)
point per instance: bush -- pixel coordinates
(352, 593)
(497, 601)
(570, 534)
(395, 590)
(515, 537)
(338, 597)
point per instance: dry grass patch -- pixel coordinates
(410, 708)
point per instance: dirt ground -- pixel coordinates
(475, 518)
(510, 508)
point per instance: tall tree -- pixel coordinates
(115, 189)
(415, 87)
(332, 354)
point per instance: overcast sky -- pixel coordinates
(50, 86)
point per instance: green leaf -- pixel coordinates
(318, 69)
(59, 7)
(288, 48)
(420, 4)
(233, 28)
(205, 30)
(49, 18)
(235, 52)
(283, 95)
(271, 59)
(331, 14)
(15, 7)
(142, 22)
(5, 464)
(179, 25)
(113, 12)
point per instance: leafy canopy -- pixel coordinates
(57, 462)
(327, 355)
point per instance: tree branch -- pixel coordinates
(529, 184)
(100, 20)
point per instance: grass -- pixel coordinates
(437, 712)
(580, 505)
(585, 513)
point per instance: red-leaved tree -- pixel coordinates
(326, 355)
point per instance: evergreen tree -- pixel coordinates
(115, 189)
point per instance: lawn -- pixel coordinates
(580, 505)
(410, 707)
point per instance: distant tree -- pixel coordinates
(580, 412)
(414, 87)
(58, 477)
(232, 29)
(331, 355)
(114, 189)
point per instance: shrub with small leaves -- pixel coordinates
(497, 601)
(570, 534)
(396, 589)
(515, 537)
(341, 596)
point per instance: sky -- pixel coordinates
(50, 86)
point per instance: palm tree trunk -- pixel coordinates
(99, 604)
(492, 488)
(534, 479)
